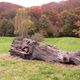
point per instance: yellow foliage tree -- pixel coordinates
(22, 23)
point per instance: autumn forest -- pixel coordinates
(50, 20)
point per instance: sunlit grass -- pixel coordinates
(12, 68)
(18, 69)
(5, 43)
(65, 43)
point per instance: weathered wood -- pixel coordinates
(75, 60)
(30, 49)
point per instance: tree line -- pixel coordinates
(48, 22)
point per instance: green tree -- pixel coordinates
(69, 18)
(45, 26)
(6, 27)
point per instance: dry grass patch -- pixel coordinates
(14, 68)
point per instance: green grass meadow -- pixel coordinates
(13, 68)
(64, 43)
(5, 43)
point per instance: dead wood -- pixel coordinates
(30, 49)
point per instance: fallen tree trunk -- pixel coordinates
(30, 49)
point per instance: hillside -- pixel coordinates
(8, 8)
(61, 19)
(68, 4)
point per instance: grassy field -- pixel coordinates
(65, 43)
(18, 69)
(5, 43)
(69, 44)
